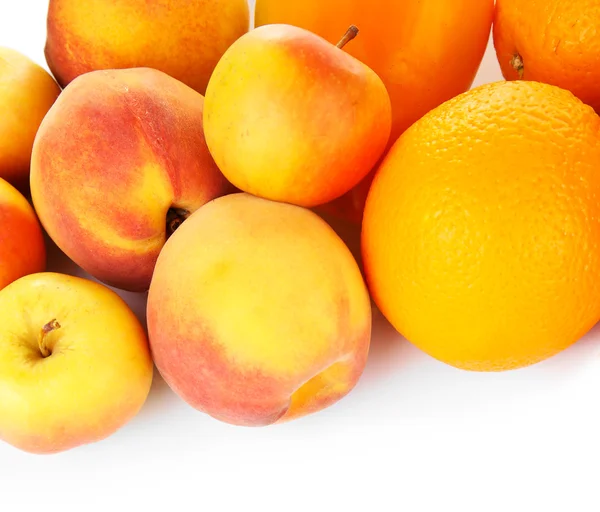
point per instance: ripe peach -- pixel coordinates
(26, 94)
(258, 312)
(22, 249)
(182, 38)
(119, 162)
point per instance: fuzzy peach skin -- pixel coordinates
(258, 312)
(119, 154)
(183, 38)
(77, 381)
(26, 94)
(22, 248)
(292, 118)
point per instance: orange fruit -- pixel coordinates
(551, 41)
(425, 51)
(481, 234)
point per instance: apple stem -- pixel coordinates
(350, 34)
(175, 218)
(53, 325)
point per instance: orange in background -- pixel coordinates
(551, 41)
(426, 52)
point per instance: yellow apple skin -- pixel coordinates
(258, 312)
(22, 247)
(292, 118)
(26, 94)
(98, 373)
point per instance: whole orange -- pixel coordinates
(481, 234)
(425, 51)
(551, 41)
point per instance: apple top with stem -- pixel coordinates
(292, 118)
(72, 380)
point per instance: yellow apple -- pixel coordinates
(75, 364)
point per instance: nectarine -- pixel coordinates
(22, 249)
(258, 312)
(26, 94)
(183, 38)
(119, 162)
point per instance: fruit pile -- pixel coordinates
(180, 154)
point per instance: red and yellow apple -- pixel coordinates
(75, 364)
(291, 117)
(118, 163)
(258, 312)
(22, 248)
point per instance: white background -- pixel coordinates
(414, 435)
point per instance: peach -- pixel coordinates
(183, 38)
(258, 312)
(26, 94)
(22, 248)
(119, 162)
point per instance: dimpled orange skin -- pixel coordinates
(481, 235)
(22, 249)
(558, 42)
(291, 118)
(258, 312)
(182, 38)
(425, 51)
